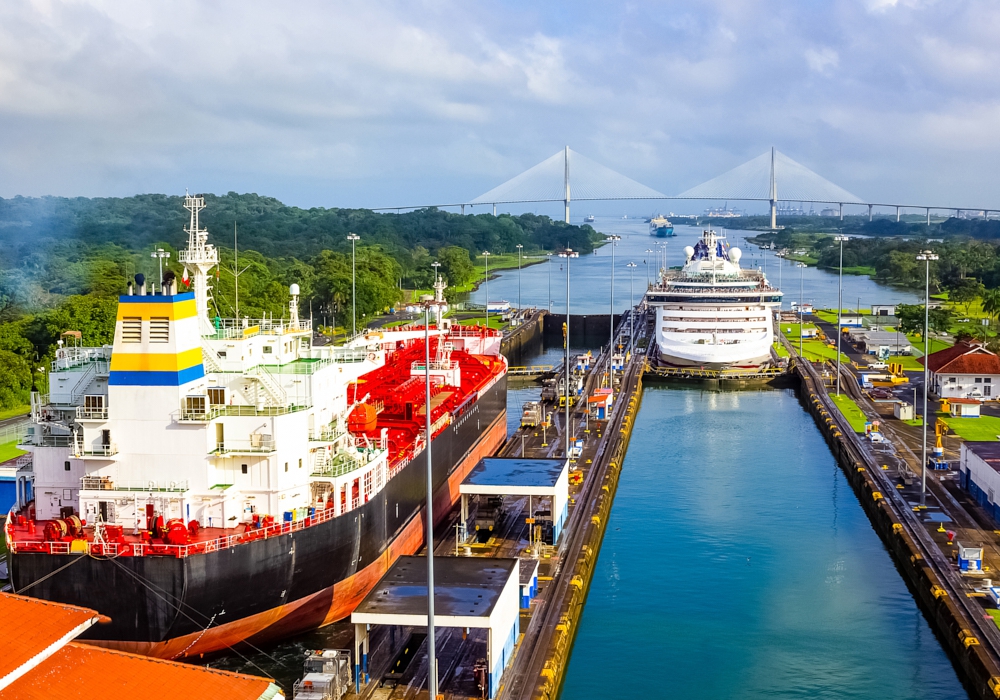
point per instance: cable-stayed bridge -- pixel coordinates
(568, 176)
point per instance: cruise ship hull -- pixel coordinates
(270, 588)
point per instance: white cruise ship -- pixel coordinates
(712, 313)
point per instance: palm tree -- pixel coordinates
(991, 303)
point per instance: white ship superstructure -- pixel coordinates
(712, 313)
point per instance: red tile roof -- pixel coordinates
(968, 401)
(84, 672)
(963, 358)
(35, 629)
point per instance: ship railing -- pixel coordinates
(238, 410)
(67, 358)
(257, 444)
(106, 483)
(108, 450)
(50, 440)
(140, 549)
(89, 413)
(234, 328)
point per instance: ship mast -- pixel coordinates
(198, 259)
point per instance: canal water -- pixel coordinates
(590, 275)
(738, 563)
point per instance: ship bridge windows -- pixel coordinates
(217, 396)
(196, 405)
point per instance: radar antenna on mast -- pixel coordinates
(198, 259)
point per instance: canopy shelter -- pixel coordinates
(469, 592)
(517, 476)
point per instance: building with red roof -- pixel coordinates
(965, 370)
(39, 661)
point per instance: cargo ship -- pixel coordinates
(660, 227)
(712, 313)
(206, 481)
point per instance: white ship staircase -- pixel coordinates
(83, 383)
(274, 393)
(321, 461)
(212, 359)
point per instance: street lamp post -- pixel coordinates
(649, 252)
(840, 303)
(161, 254)
(631, 313)
(519, 246)
(486, 257)
(926, 256)
(568, 253)
(802, 267)
(353, 238)
(611, 346)
(427, 302)
(549, 305)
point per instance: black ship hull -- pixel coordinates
(268, 588)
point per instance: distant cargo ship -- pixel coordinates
(660, 227)
(711, 313)
(590, 219)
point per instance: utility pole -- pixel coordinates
(802, 267)
(631, 314)
(549, 305)
(569, 253)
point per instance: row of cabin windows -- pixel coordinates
(978, 380)
(159, 329)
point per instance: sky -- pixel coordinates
(373, 104)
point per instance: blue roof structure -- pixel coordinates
(516, 472)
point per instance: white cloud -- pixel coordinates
(368, 103)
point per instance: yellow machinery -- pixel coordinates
(894, 377)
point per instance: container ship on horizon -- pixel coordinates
(711, 313)
(203, 482)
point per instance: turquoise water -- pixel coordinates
(738, 563)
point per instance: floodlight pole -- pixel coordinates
(568, 254)
(840, 303)
(549, 305)
(926, 256)
(518, 246)
(611, 346)
(486, 257)
(352, 237)
(631, 314)
(802, 268)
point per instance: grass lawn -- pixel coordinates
(14, 412)
(819, 350)
(916, 422)
(995, 614)
(936, 343)
(851, 411)
(909, 362)
(8, 450)
(791, 330)
(983, 428)
(802, 259)
(859, 270)
(780, 349)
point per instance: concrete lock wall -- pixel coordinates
(977, 668)
(591, 329)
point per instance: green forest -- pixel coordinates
(64, 261)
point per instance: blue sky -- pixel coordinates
(381, 103)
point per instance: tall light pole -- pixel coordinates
(568, 254)
(649, 252)
(549, 305)
(926, 256)
(353, 238)
(611, 340)
(161, 254)
(840, 303)
(486, 257)
(427, 301)
(802, 267)
(631, 313)
(519, 246)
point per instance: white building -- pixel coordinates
(964, 370)
(979, 474)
